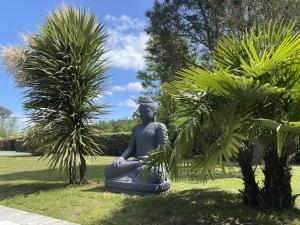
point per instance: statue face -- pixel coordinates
(146, 113)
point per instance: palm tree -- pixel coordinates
(257, 75)
(264, 55)
(65, 69)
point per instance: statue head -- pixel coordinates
(147, 110)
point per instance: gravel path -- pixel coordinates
(13, 153)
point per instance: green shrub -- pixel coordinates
(113, 144)
(20, 147)
(7, 144)
(118, 126)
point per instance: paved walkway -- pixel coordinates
(13, 153)
(9, 216)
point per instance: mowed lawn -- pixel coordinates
(26, 184)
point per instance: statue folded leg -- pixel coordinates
(156, 175)
(128, 179)
(124, 167)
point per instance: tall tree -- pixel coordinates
(4, 113)
(7, 122)
(257, 76)
(203, 22)
(64, 70)
(185, 32)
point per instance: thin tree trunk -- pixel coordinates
(277, 191)
(72, 170)
(83, 170)
(251, 191)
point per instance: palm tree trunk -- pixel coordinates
(72, 170)
(251, 191)
(277, 191)
(83, 170)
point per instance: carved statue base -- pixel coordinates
(131, 183)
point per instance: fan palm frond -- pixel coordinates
(231, 50)
(224, 148)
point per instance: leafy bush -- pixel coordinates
(7, 144)
(117, 126)
(20, 147)
(113, 144)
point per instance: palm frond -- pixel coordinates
(224, 148)
(66, 69)
(282, 128)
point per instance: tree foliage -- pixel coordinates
(254, 87)
(184, 33)
(7, 123)
(116, 126)
(65, 70)
(202, 23)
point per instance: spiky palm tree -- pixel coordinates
(65, 69)
(257, 76)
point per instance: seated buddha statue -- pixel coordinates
(123, 175)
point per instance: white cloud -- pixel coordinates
(135, 87)
(105, 93)
(127, 42)
(125, 22)
(118, 88)
(108, 93)
(131, 87)
(129, 103)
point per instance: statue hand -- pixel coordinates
(117, 161)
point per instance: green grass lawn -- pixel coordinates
(25, 184)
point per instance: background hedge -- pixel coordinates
(7, 144)
(114, 144)
(15, 144)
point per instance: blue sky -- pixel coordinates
(124, 21)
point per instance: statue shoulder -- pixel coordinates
(161, 126)
(135, 128)
(162, 133)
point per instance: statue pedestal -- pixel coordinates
(129, 183)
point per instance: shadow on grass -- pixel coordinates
(12, 190)
(205, 206)
(98, 189)
(13, 184)
(215, 175)
(94, 172)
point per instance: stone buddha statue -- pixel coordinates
(123, 175)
